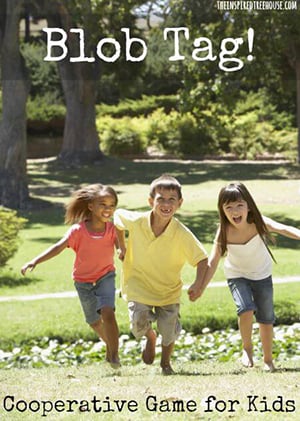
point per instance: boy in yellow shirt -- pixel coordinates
(158, 247)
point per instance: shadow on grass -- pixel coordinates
(54, 180)
(14, 281)
(234, 372)
(118, 171)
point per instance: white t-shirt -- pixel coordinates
(251, 260)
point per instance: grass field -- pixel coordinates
(276, 188)
(200, 391)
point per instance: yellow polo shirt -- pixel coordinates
(152, 265)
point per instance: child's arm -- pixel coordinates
(46, 255)
(194, 289)
(286, 230)
(120, 243)
(197, 288)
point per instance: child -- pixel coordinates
(158, 247)
(92, 237)
(242, 236)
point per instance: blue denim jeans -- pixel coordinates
(256, 296)
(94, 296)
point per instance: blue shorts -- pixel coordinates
(94, 296)
(256, 296)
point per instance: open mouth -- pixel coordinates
(237, 219)
(166, 211)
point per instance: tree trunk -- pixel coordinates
(80, 141)
(15, 87)
(298, 104)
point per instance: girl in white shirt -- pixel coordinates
(242, 237)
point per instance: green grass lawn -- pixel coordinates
(276, 188)
(200, 391)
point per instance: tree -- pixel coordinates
(15, 88)
(276, 64)
(98, 18)
(80, 139)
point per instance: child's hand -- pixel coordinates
(121, 253)
(29, 265)
(195, 291)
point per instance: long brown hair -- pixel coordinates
(78, 207)
(234, 192)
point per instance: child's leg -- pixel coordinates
(90, 308)
(148, 354)
(165, 362)
(245, 326)
(99, 329)
(263, 297)
(104, 293)
(141, 318)
(169, 327)
(266, 336)
(111, 333)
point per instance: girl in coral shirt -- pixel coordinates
(93, 238)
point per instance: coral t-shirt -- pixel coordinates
(94, 251)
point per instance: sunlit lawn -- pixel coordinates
(207, 391)
(275, 187)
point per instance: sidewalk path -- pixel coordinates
(72, 294)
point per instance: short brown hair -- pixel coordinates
(165, 181)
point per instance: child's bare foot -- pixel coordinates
(247, 359)
(269, 367)
(113, 361)
(115, 364)
(148, 354)
(167, 370)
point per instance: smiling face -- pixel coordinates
(102, 208)
(165, 203)
(236, 212)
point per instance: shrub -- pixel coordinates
(287, 312)
(139, 107)
(120, 136)
(252, 137)
(44, 108)
(161, 132)
(182, 133)
(10, 225)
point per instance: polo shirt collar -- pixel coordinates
(168, 231)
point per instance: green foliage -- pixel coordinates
(44, 77)
(144, 106)
(257, 127)
(253, 129)
(286, 312)
(10, 225)
(160, 76)
(120, 139)
(220, 345)
(161, 131)
(43, 108)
